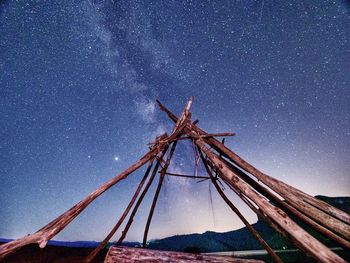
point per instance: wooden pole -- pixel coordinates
(325, 214)
(299, 208)
(160, 182)
(260, 214)
(304, 240)
(298, 199)
(93, 254)
(257, 236)
(264, 217)
(272, 197)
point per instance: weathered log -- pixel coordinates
(281, 203)
(154, 202)
(278, 186)
(318, 215)
(290, 193)
(266, 219)
(261, 215)
(92, 255)
(305, 241)
(257, 236)
(136, 255)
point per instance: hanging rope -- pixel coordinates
(211, 204)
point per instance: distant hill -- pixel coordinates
(240, 239)
(209, 241)
(342, 203)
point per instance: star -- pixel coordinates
(76, 88)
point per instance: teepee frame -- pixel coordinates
(269, 198)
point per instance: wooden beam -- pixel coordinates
(281, 203)
(305, 241)
(300, 208)
(261, 215)
(295, 197)
(257, 236)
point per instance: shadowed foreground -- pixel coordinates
(54, 254)
(58, 254)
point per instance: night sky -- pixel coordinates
(78, 84)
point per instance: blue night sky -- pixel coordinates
(78, 84)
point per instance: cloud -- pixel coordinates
(115, 32)
(145, 109)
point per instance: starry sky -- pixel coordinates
(78, 84)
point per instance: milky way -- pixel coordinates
(79, 80)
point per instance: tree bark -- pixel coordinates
(281, 203)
